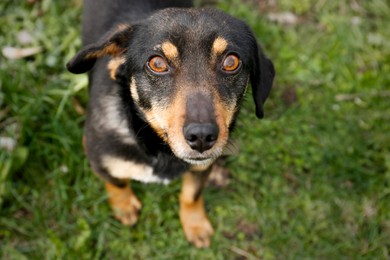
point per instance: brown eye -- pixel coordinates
(231, 63)
(158, 64)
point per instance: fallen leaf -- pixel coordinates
(289, 96)
(219, 176)
(286, 18)
(19, 53)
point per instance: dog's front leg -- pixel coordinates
(196, 226)
(124, 203)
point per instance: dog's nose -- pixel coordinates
(201, 137)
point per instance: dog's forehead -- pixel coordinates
(195, 26)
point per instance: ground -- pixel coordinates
(311, 180)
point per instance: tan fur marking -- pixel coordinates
(153, 117)
(196, 226)
(224, 116)
(111, 49)
(125, 204)
(122, 27)
(133, 90)
(170, 51)
(176, 117)
(114, 64)
(169, 118)
(219, 46)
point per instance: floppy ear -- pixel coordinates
(262, 76)
(114, 43)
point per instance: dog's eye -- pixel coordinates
(231, 63)
(158, 64)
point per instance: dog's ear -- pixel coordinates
(262, 76)
(114, 43)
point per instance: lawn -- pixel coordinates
(311, 180)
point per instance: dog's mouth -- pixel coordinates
(182, 150)
(199, 161)
(185, 153)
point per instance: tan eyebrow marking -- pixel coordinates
(170, 50)
(114, 64)
(219, 46)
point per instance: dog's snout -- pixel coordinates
(201, 137)
(199, 109)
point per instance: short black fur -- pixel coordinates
(104, 38)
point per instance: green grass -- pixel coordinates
(312, 180)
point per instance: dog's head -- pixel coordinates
(187, 71)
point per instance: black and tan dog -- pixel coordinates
(166, 85)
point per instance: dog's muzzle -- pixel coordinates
(200, 130)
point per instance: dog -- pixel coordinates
(166, 82)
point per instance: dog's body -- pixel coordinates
(165, 90)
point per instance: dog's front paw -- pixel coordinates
(127, 210)
(124, 203)
(196, 226)
(198, 233)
